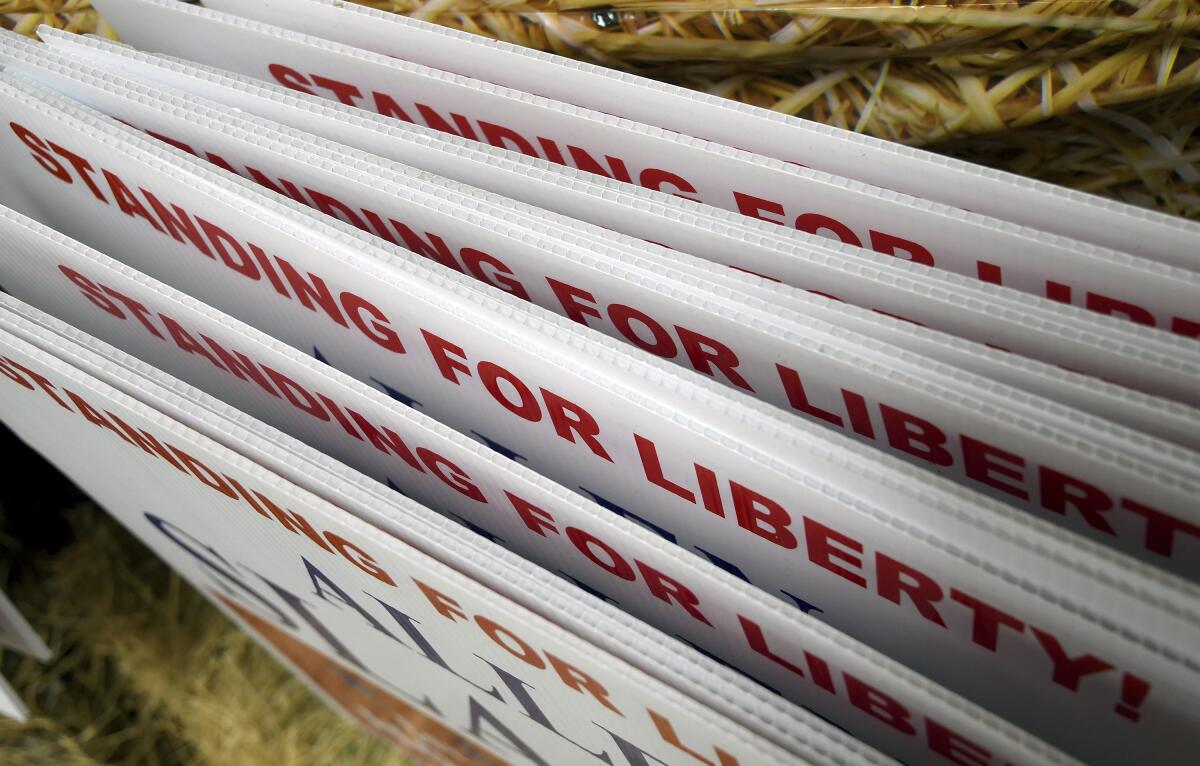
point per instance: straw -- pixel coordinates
(953, 68)
(72, 15)
(1147, 154)
(990, 34)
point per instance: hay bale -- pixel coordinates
(917, 73)
(25, 16)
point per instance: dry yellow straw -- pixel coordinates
(953, 68)
(72, 15)
(1147, 154)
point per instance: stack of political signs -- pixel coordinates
(529, 430)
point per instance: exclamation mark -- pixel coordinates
(1133, 694)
